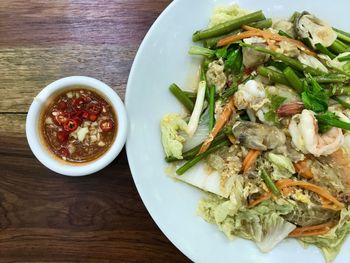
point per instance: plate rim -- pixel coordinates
(172, 239)
(143, 195)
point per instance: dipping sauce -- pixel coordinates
(79, 125)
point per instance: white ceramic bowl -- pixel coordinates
(161, 60)
(39, 148)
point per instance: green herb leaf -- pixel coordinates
(221, 52)
(329, 119)
(314, 96)
(234, 61)
(271, 116)
(276, 102)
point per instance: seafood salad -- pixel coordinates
(266, 131)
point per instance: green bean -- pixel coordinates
(346, 67)
(338, 90)
(324, 50)
(266, 23)
(331, 78)
(193, 152)
(342, 35)
(182, 97)
(191, 95)
(342, 102)
(205, 63)
(344, 58)
(282, 33)
(295, 64)
(190, 154)
(290, 78)
(293, 80)
(228, 26)
(207, 94)
(271, 74)
(201, 51)
(229, 92)
(343, 71)
(211, 42)
(202, 76)
(232, 90)
(277, 64)
(282, 66)
(171, 159)
(307, 42)
(338, 47)
(211, 107)
(199, 157)
(269, 183)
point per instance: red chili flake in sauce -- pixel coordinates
(78, 103)
(61, 118)
(63, 152)
(94, 108)
(85, 115)
(62, 136)
(83, 125)
(106, 125)
(62, 105)
(71, 125)
(92, 117)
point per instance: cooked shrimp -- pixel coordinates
(304, 131)
(250, 95)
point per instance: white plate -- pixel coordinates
(161, 60)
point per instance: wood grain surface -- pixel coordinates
(45, 217)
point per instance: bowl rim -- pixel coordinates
(40, 150)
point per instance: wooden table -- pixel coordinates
(45, 216)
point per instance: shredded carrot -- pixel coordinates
(332, 207)
(250, 159)
(220, 123)
(231, 138)
(328, 204)
(286, 191)
(303, 170)
(251, 31)
(260, 199)
(282, 183)
(272, 36)
(271, 44)
(312, 230)
(234, 38)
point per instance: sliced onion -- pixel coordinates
(201, 133)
